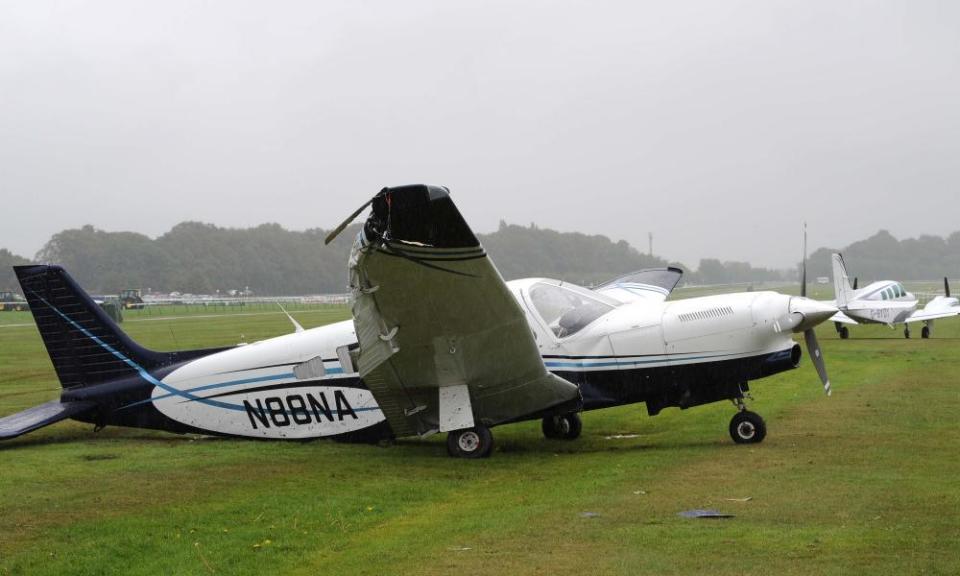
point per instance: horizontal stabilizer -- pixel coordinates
(40, 416)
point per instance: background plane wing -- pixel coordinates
(939, 307)
(654, 285)
(842, 318)
(443, 342)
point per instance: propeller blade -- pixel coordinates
(946, 286)
(855, 282)
(336, 232)
(813, 349)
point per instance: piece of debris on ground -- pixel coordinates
(698, 513)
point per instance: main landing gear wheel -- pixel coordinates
(563, 427)
(906, 332)
(476, 442)
(925, 332)
(747, 427)
(844, 333)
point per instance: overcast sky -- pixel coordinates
(717, 126)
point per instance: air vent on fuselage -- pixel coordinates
(705, 314)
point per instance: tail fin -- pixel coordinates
(84, 344)
(841, 283)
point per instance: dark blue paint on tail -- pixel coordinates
(74, 329)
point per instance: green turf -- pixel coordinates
(864, 482)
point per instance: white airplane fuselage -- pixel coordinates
(883, 302)
(673, 353)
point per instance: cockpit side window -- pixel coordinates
(566, 311)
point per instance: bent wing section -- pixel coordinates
(434, 320)
(654, 284)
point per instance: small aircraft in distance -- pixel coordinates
(438, 343)
(885, 302)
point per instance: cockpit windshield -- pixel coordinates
(567, 309)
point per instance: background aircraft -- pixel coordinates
(438, 343)
(885, 302)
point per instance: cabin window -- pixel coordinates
(566, 311)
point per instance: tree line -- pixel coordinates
(269, 260)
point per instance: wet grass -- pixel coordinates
(861, 482)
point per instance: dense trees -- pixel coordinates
(7, 280)
(203, 258)
(883, 257)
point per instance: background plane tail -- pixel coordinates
(841, 283)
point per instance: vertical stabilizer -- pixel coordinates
(841, 283)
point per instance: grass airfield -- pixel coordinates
(865, 481)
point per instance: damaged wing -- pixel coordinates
(653, 285)
(443, 342)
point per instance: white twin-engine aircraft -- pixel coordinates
(438, 343)
(885, 302)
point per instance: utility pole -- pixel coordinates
(650, 236)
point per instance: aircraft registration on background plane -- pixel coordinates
(885, 302)
(438, 343)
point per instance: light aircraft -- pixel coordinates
(885, 302)
(438, 343)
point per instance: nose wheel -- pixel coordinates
(747, 427)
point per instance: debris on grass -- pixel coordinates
(589, 514)
(701, 513)
(639, 492)
(621, 436)
(747, 499)
(459, 548)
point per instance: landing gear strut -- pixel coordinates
(747, 427)
(563, 427)
(906, 331)
(842, 330)
(476, 442)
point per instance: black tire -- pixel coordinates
(476, 442)
(844, 333)
(747, 428)
(563, 427)
(925, 332)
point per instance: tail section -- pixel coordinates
(841, 282)
(84, 344)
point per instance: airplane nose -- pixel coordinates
(809, 313)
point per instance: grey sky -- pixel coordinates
(718, 126)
